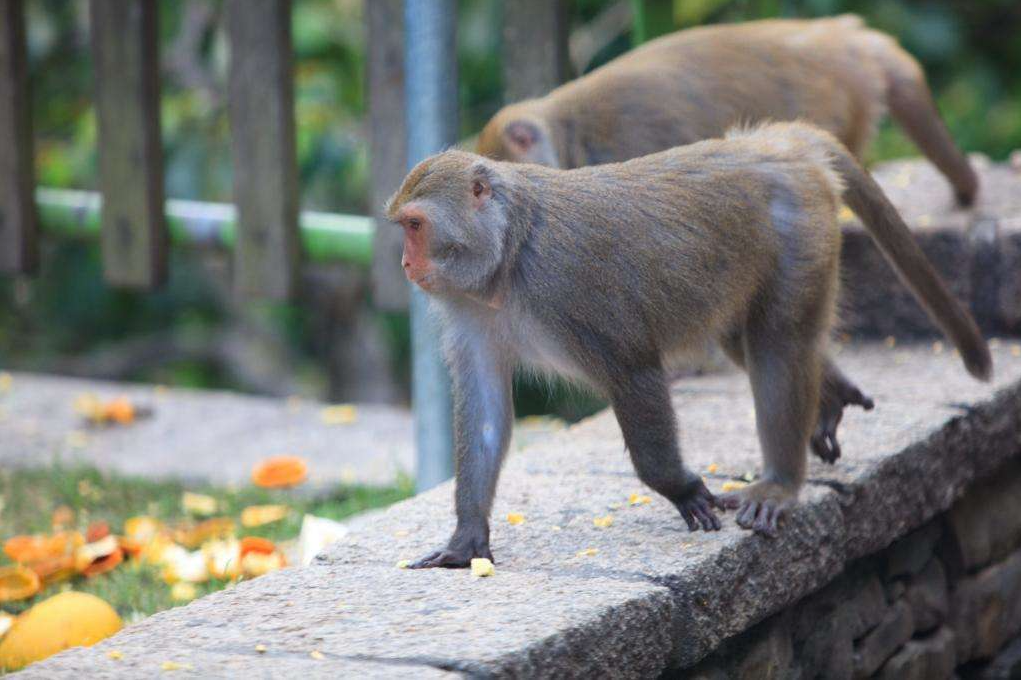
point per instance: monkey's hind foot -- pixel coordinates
(696, 507)
(836, 396)
(761, 506)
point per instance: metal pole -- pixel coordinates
(431, 95)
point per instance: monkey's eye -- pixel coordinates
(414, 224)
(477, 188)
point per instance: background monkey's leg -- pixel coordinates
(837, 392)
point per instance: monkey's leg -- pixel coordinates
(912, 106)
(837, 393)
(784, 367)
(483, 414)
(642, 406)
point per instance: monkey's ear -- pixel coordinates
(521, 136)
(482, 189)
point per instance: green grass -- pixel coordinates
(29, 497)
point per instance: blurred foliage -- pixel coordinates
(970, 51)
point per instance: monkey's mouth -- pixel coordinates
(425, 282)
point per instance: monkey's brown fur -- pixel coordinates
(698, 83)
(601, 273)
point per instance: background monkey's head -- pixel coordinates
(519, 134)
(454, 211)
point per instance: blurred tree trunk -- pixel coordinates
(384, 25)
(535, 47)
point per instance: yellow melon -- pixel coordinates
(66, 620)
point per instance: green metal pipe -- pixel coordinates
(325, 237)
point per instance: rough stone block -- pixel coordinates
(865, 609)
(763, 653)
(1006, 665)
(875, 648)
(985, 609)
(928, 598)
(1010, 278)
(828, 652)
(768, 655)
(909, 555)
(894, 590)
(985, 525)
(931, 658)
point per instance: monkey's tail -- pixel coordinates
(898, 245)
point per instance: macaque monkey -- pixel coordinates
(602, 273)
(698, 83)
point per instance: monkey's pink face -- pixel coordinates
(418, 266)
(437, 257)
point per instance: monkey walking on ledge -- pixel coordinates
(696, 84)
(602, 273)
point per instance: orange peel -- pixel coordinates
(33, 548)
(18, 583)
(54, 569)
(214, 528)
(258, 515)
(279, 472)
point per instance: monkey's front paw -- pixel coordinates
(761, 506)
(457, 555)
(831, 412)
(696, 508)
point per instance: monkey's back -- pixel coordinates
(694, 234)
(697, 83)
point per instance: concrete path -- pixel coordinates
(573, 600)
(200, 436)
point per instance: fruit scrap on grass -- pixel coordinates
(316, 534)
(18, 583)
(198, 504)
(258, 515)
(69, 619)
(280, 471)
(603, 522)
(515, 518)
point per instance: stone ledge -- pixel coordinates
(653, 596)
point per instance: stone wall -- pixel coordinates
(977, 251)
(943, 600)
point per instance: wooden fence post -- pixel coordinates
(261, 93)
(19, 253)
(384, 29)
(126, 58)
(535, 47)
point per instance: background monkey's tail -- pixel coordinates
(898, 245)
(911, 105)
